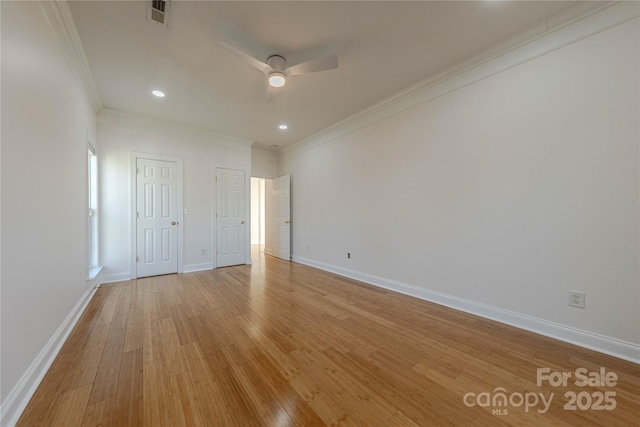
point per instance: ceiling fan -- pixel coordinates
(276, 69)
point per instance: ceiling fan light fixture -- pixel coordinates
(277, 79)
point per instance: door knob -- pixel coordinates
(242, 222)
(173, 223)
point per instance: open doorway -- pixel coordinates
(258, 221)
(271, 217)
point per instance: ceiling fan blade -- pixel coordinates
(265, 68)
(272, 92)
(318, 64)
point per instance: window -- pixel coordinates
(92, 222)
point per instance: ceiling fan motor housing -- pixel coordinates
(276, 62)
(277, 77)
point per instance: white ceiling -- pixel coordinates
(382, 47)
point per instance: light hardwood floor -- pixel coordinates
(282, 344)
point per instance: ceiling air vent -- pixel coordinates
(158, 10)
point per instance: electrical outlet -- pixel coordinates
(308, 248)
(203, 252)
(348, 254)
(576, 299)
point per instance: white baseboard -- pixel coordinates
(19, 396)
(115, 277)
(190, 268)
(611, 346)
(268, 251)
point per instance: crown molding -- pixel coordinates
(59, 16)
(576, 23)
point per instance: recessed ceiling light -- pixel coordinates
(283, 127)
(275, 146)
(158, 93)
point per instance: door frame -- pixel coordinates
(134, 156)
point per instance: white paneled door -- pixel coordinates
(230, 220)
(157, 217)
(282, 217)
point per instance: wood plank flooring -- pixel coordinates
(282, 344)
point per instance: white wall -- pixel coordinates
(268, 218)
(506, 192)
(263, 164)
(45, 119)
(257, 211)
(201, 152)
(263, 221)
